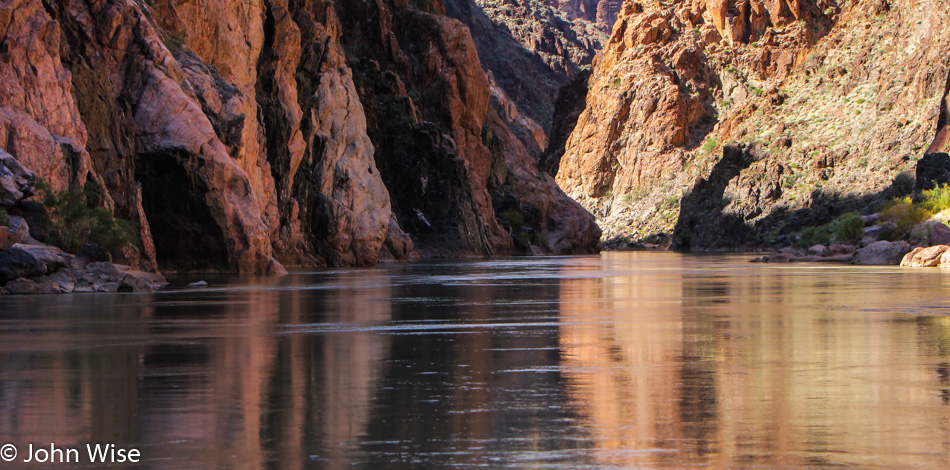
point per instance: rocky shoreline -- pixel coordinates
(29, 266)
(41, 269)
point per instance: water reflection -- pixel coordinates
(627, 360)
(763, 367)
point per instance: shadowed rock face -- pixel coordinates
(832, 99)
(455, 171)
(249, 146)
(601, 12)
(532, 47)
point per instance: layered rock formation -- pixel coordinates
(243, 135)
(534, 48)
(738, 122)
(461, 183)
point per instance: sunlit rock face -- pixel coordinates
(243, 136)
(734, 121)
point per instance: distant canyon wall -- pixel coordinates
(247, 135)
(733, 122)
(534, 48)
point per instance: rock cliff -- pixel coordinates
(603, 13)
(246, 135)
(533, 48)
(735, 122)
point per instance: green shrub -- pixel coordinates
(903, 184)
(174, 42)
(849, 228)
(4, 217)
(514, 219)
(710, 144)
(904, 214)
(936, 200)
(820, 235)
(73, 222)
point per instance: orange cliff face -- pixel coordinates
(732, 121)
(263, 143)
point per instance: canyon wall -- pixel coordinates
(532, 48)
(603, 13)
(247, 135)
(732, 123)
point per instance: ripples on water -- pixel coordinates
(629, 360)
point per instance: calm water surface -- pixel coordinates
(628, 360)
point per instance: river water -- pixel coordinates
(626, 360)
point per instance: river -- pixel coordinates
(646, 360)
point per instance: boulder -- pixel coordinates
(920, 233)
(882, 253)
(16, 182)
(838, 249)
(93, 253)
(17, 262)
(108, 277)
(19, 230)
(6, 240)
(792, 252)
(940, 234)
(924, 257)
(53, 258)
(23, 286)
(818, 250)
(773, 258)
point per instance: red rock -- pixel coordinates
(662, 112)
(924, 257)
(6, 239)
(235, 150)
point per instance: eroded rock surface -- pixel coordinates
(266, 143)
(827, 102)
(535, 47)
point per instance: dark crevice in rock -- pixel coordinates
(272, 118)
(570, 103)
(186, 236)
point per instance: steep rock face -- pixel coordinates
(532, 48)
(40, 124)
(761, 116)
(571, 102)
(234, 135)
(446, 156)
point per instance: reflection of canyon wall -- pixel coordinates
(481, 395)
(622, 369)
(214, 387)
(707, 366)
